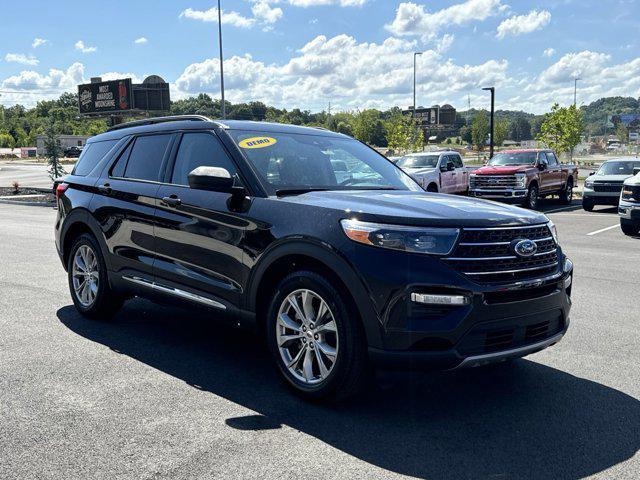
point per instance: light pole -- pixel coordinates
(575, 90)
(493, 104)
(415, 55)
(224, 107)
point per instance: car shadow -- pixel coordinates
(519, 420)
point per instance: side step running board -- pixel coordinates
(176, 292)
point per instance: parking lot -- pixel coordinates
(163, 392)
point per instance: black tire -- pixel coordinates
(432, 188)
(566, 196)
(107, 302)
(587, 205)
(629, 228)
(533, 198)
(351, 372)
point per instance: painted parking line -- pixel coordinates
(603, 230)
(572, 207)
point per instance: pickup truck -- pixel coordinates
(437, 172)
(524, 176)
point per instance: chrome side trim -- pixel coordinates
(175, 292)
(479, 360)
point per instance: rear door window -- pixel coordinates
(91, 156)
(146, 157)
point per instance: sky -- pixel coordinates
(354, 54)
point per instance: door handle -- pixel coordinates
(172, 200)
(106, 189)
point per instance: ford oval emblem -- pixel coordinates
(525, 248)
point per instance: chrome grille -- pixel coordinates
(611, 187)
(486, 255)
(493, 181)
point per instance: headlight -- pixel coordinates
(521, 178)
(554, 230)
(588, 183)
(434, 241)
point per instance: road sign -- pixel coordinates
(115, 96)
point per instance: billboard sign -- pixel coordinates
(629, 120)
(115, 96)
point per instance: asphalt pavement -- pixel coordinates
(162, 392)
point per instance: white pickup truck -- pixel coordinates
(441, 172)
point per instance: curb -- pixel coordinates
(30, 204)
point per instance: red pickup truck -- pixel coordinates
(524, 176)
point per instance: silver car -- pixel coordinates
(604, 186)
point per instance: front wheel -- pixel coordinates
(533, 198)
(566, 196)
(631, 229)
(587, 205)
(88, 283)
(316, 339)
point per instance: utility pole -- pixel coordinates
(575, 90)
(224, 106)
(415, 55)
(493, 104)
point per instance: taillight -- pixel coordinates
(60, 189)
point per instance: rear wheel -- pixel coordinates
(566, 196)
(630, 228)
(92, 295)
(533, 198)
(588, 205)
(316, 339)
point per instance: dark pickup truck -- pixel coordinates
(524, 176)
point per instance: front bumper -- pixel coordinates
(500, 322)
(629, 211)
(499, 193)
(604, 198)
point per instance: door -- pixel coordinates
(555, 172)
(462, 176)
(448, 174)
(124, 204)
(198, 238)
(545, 177)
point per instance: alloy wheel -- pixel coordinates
(85, 275)
(307, 336)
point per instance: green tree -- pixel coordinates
(520, 129)
(479, 130)
(562, 128)
(369, 128)
(53, 151)
(622, 132)
(7, 141)
(465, 134)
(500, 131)
(403, 133)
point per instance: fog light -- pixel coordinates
(567, 282)
(440, 299)
(568, 265)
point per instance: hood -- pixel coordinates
(502, 170)
(419, 170)
(419, 208)
(633, 180)
(608, 178)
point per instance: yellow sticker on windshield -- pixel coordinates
(257, 142)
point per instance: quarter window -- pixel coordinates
(199, 150)
(91, 156)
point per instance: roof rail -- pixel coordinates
(155, 120)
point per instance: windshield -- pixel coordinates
(291, 161)
(522, 158)
(618, 168)
(418, 161)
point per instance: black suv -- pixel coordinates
(339, 271)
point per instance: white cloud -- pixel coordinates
(315, 3)
(586, 64)
(414, 19)
(81, 47)
(549, 52)
(21, 58)
(263, 11)
(211, 15)
(38, 42)
(141, 41)
(521, 24)
(56, 80)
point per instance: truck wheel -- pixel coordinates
(88, 283)
(433, 188)
(566, 196)
(630, 228)
(533, 198)
(316, 338)
(587, 205)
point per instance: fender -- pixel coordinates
(333, 260)
(82, 216)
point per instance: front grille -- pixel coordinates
(487, 255)
(610, 187)
(494, 181)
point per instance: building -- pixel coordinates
(439, 121)
(66, 141)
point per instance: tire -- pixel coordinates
(533, 198)
(348, 375)
(100, 302)
(588, 205)
(432, 188)
(630, 229)
(566, 196)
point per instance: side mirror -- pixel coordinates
(542, 166)
(214, 179)
(443, 167)
(592, 173)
